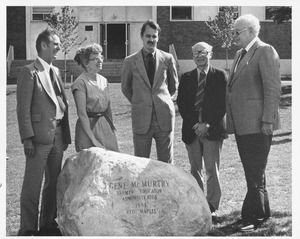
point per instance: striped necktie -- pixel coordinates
(200, 91)
(54, 83)
(58, 94)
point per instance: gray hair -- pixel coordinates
(204, 44)
(250, 21)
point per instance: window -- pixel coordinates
(181, 13)
(88, 28)
(41, 13)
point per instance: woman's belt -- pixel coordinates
(96, 116)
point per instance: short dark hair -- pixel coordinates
(44, 36)
(82, 55)
(151, 24)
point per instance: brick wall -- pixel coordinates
(279, 36)
(185, 34)
(16, 31)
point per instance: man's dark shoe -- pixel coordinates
(267, 218)
(248, 227)
(50, 232)
(214, 216)
(29, 233)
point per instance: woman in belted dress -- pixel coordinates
(94, 127)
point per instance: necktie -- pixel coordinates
(56, 90)
(242, 55)
(151, 67)
(200, 91)
(54, 83)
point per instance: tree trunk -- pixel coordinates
(227, 69)
(65, 70)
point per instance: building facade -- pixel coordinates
(117, 29)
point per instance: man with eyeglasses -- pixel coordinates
(253, 96)
(201, 103)
(42, 111)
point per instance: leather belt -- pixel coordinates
(96, 116)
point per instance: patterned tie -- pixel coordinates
(56, 90)
(200, 91)
(151, 67)
(242, 55)
(239, 60)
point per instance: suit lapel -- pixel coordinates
(194, 79)
(139, 61)
(45, 80)
(159, 63)
(243, 63)
(209, 78)
(233, 67)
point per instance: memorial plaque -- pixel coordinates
(104, 193)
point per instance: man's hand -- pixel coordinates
(200, 129)
(267, 128)
(28, 148)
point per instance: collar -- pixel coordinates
(205, 70)
(251, 44)
(145, 53)
(45, 65)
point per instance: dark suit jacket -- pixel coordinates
(36, 109)
(213, 108)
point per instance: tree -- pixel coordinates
(221, 26)
(280, 14)
(66, 24)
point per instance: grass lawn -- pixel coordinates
(278, 174)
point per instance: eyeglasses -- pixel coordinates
(200, 53)
(101, 58)
(238, 32)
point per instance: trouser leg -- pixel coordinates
(211, 156)
(254, 150)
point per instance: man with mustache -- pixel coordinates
(42, 110)
(149, 81)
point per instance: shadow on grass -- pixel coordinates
(282, 134)
(285, 101)
(277, 141)
(283, 141)
(280, 224)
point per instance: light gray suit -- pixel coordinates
(36, 110)
(254, 90)
(253, 95)
(147, 101)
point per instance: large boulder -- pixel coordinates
(105, 193)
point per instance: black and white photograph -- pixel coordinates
(162, 119)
